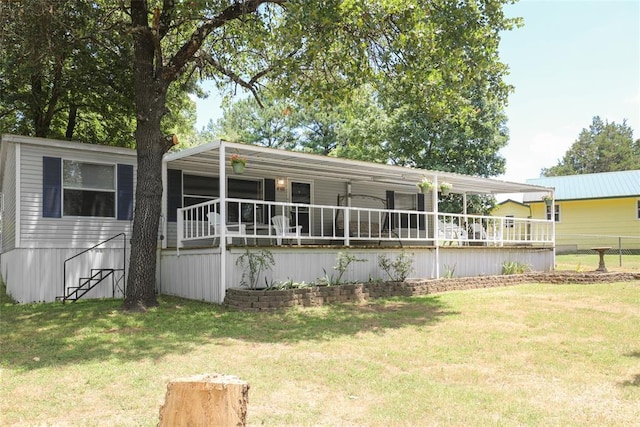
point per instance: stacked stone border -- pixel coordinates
(313, 296)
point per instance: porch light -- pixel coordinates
(281, 184)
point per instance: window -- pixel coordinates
(509, 221)
(89, 189)
(199, 189)
(406, 202)
(638, 209)
(557, 213)
(244, 189)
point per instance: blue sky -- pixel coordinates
(571, 60)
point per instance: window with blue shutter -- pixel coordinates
(74, 188)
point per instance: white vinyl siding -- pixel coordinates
(77, 232)
(9, 198)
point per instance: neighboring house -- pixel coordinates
(600, 209)
(62, 198)
(512, 210)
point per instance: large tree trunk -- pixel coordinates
(141, 287)
(150, 96)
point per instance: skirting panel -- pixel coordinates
(36, 275)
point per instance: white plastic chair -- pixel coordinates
(282, 228)
(450, 232)
(478, 232)
(215, 221)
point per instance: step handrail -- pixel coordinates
(124, 258)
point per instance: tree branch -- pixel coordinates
(188, 49)
(250, 85)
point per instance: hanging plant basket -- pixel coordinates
(238, 167)
(238, 163)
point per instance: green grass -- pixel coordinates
(589, 262)
(524, 355)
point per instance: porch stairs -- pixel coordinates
(99, 275)
(96, 276)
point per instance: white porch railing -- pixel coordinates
(321, 224)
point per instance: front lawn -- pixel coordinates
(524, 355)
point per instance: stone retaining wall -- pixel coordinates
(267, 300)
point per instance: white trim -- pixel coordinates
(18, 218)
(222, 184)
(271, 160)
(193, 150)
(163, 207)
(73, 145)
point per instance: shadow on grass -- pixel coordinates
(635, 382)
(40, 335)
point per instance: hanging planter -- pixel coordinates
(425, 185)
(238, 163)
(547, 200)
(445, 188)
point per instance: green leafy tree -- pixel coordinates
(268, 124)
(61, 75)
(65, 72)
(604, 147)
(308, 50)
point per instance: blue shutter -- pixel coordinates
(125, 192)
(174, 194)
(422, 206)
(391, 204)
(269, 196)
(52, 187)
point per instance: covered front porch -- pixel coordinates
(285, 197)
(306, 208)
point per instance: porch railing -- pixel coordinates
(251, 219)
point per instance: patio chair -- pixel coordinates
(215, 221)
(478, 234)
(450, 232)
(282, 228)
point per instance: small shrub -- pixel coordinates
(253, 263)
(514, 267)
(344, 260)
(397, 269)
(449, 271)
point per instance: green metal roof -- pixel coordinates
(592, 186)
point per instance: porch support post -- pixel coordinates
(553, 224)
(346, 217)
(223, 217)
(163, 209)
(464, 209)
(434, 201)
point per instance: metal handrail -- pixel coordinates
(124, 259)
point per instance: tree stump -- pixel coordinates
(205, 400)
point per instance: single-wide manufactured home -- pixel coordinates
(67, 217)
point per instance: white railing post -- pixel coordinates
(347, 232)
(179, 230)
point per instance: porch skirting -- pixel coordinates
(269, 300)
(196, 273)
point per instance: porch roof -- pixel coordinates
(270, 161)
